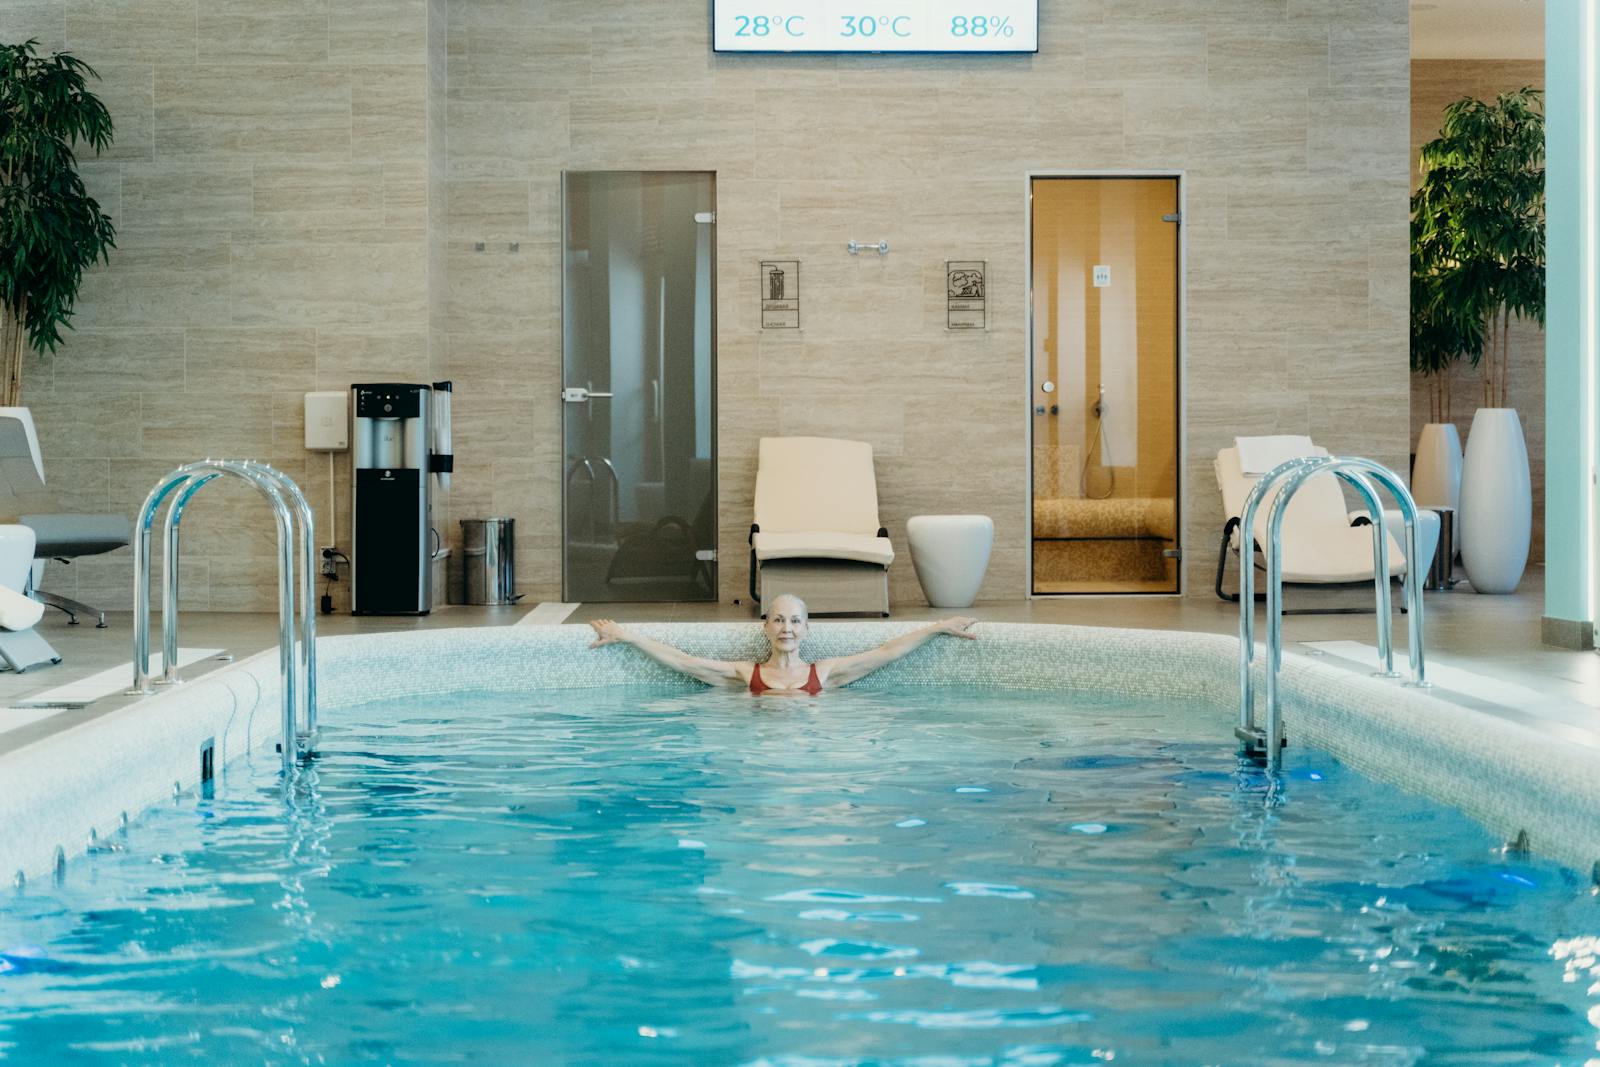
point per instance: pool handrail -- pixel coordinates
(1354, 471)
(273, 485)
(305, 526)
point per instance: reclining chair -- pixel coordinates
(20, 646)
(54, 536)
(1323, 544)
(816, 532)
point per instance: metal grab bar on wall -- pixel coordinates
(275, 486)
(1294, 473)
(585, 465)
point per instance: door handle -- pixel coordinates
(577, 395)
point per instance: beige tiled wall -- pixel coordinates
(298, 211)
(270, 185)
(1435, 83)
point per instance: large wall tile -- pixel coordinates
(348, 356)
(184, 198)
(194, 424)
(121, 361)
(318, 200)
(248, 362)
(247, 31)
(143, 31)
(378, 31)
(42, 20)
(329, 284)
(74, 425)
(389, 112)
(498, 134)
(158, 280)
(1291, 56)
(277, 112)
(128, 91)
(497, 57)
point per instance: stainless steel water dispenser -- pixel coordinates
(391, 562)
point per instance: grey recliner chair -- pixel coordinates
(58, 536)
(64, 538)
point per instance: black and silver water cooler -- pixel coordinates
(391, 565)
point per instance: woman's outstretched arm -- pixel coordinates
(846, 669)
(714, 671)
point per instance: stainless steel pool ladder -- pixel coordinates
(1356, 472)
(286, 499)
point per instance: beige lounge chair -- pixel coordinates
(1323, 543)
(816, 532)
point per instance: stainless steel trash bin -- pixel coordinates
(1441, 574)
(488, 561)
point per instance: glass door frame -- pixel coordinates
(713, 400)
(1180, 512)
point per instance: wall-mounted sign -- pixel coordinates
(966, 294)
(780, 294)
(875, 26)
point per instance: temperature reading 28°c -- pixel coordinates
(767, 25)
(875, 26)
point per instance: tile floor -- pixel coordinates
(1496, 637)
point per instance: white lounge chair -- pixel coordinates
(816, 532)
(1323, 543)
(20, 475)
(58, 536)
(20, 646)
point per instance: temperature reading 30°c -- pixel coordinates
(870, 25)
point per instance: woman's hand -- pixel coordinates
(607, 632)
(956, 627)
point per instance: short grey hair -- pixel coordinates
(773, 606)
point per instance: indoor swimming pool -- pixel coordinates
(919, 876)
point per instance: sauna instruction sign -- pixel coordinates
(780, 294)
(966, 294)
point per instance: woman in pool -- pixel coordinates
(784, 672)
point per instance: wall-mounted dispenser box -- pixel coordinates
(328, 421)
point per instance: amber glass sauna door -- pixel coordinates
(1104, 388)
(638, 366)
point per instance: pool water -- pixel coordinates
(930, 877)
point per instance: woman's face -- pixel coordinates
(786, 624)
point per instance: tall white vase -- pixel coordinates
(1436, 477)
(1496, 502)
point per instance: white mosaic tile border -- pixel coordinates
(1507, 777)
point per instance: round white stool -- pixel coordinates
(950, 554)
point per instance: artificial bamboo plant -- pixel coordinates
(1477, 239)
(51, 230)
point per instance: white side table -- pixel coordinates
(950, 554)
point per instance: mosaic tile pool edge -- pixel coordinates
(1507, 777)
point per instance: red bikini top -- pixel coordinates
(812, 687)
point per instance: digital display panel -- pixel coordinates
(875, 25)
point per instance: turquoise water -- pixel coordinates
(930, 877)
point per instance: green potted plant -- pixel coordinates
(51, 230)
(1477, 256)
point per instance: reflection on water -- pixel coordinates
(924, 878)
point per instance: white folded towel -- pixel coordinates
(18, 612)
(1258, 455)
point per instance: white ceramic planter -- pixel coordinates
(950, 554)
(1496, 502)
(1436, 477)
